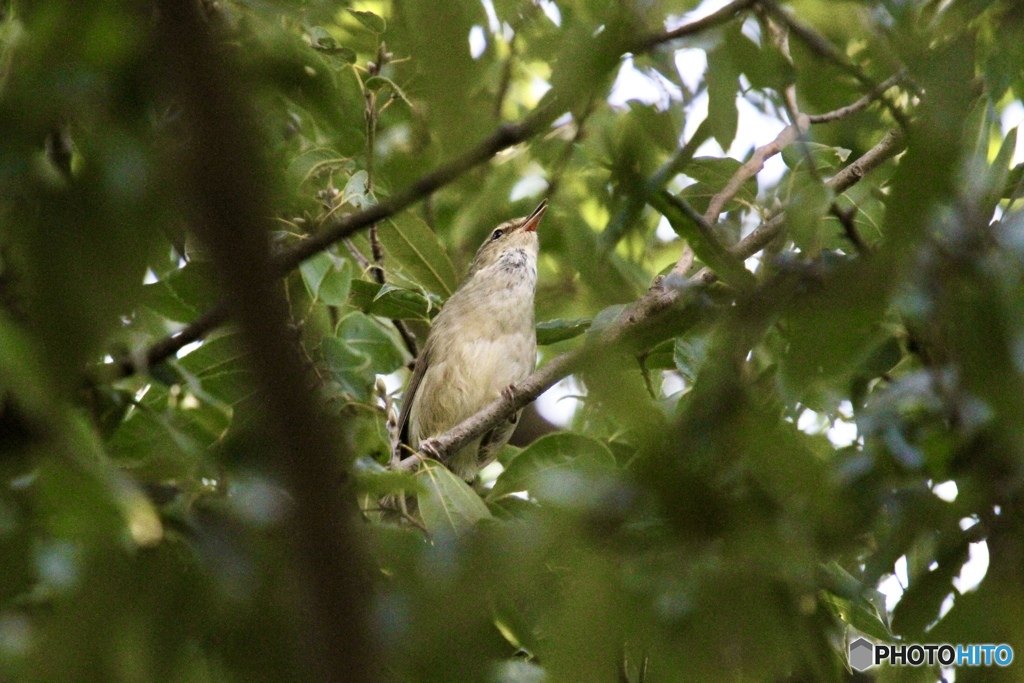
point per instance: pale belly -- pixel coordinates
(472, 375)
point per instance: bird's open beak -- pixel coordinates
(533, 220)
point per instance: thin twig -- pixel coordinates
(751, 168)
(507, 67)
(859, 105)
(364, 264)
(376, 248)
(824, 48)
(714, 19)
(845, 217)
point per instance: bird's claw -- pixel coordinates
(430, 448)
(509, 394)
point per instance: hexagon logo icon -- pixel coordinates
(862, 654)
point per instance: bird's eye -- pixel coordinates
(497, 234)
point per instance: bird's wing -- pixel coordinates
(410, 393)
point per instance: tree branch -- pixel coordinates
(714, 19)
(284, 262)
(225, 189)
(658, 300)
(859, 105)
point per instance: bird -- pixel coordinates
(481, 342)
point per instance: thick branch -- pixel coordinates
(643, 312)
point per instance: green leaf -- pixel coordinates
(998, 173)
(372, 477)
(804, 216)
(355, 191)
(859, 606)
(922, 601)
(723, 81)
(411, 244)
(345, 55)
(328, 278)
(184, 294)
(335, 286)
(349, 368)
(320, 39)
(221, 368)
(714, 173)
(689, 355)
(369, 20)
(448, 504)
(377, 83)
(314, 270)
(365, 335)
(560, 329)
(555, 452)
(391, 301)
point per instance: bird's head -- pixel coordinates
(510, 243)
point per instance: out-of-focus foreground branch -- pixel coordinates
(229, 206)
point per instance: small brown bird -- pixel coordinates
(481, 342)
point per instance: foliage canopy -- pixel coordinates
(300, 185)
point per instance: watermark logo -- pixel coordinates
(864, 654)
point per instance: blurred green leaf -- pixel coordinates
(369, 20)
(553, 453)
(723, 83)
(825, 159)
(369, 337)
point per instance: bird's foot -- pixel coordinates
(430, 448)
(509, 394)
